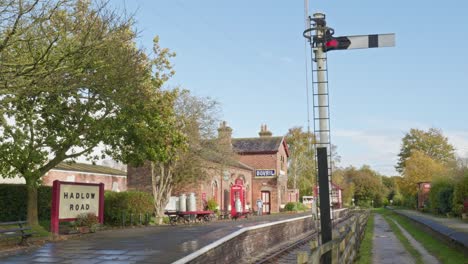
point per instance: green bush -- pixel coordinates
(410, 201)
(441, 196)
(295, 206)
(460, 193)
(13, 202)
(212, 205)
(397, 199)
(126, 207)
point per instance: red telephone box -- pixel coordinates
(237, 193)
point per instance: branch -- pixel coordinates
(21, 13)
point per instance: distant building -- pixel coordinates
(423, 194)
(113, 179)
(335, 196)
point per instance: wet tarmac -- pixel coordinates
(162, 244)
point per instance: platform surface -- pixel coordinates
(159, 244)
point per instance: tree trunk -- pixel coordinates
(161, 182)
(32, 205)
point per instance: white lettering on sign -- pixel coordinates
(78, 199)
(260, 173)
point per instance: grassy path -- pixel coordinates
(406, 232)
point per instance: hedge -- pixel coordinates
(120, 207)
(295, 206)
(460, 193)
(13, 202)
(440, 196)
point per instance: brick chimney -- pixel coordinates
(225, 133)
(264, 131)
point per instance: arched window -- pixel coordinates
(214, 190)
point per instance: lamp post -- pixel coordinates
(372, 203)
(353, 201)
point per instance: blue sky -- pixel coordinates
(249, 56)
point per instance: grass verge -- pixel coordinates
(434, 246)
(365, 251)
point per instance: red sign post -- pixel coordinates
(70, 199)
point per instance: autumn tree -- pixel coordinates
(419, 168)
(70, 75)
(431, 143)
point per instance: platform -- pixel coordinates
(159, 244)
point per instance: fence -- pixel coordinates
(345, 244)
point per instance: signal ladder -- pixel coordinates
(321, 111)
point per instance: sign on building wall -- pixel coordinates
(265, 173)
(70, 199)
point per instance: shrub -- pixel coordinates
(295, 206)
(212, 205)
(460, 193)
(87, 219)
(410, 201)
(13, 202)
(126, 207)
(440, 196)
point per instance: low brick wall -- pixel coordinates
(250, 241)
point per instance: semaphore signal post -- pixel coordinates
(322, 41)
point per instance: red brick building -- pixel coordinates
(261, 167)
(218, 183)
(423, 194)
(113, 179)
(268, 156)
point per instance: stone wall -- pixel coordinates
(252, 241)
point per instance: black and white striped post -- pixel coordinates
(322, 41)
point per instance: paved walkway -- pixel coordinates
(454, 228)
(161, 244)
(386, 248)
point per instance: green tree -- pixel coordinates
(178, 144)
(431, 143)
(301, 167)
(79, 75)
(363, 184)
(26, 42)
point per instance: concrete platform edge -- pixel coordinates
(219, 242)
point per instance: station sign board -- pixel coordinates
(265, 173)
(70, 199)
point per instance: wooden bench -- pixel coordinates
(16, 229)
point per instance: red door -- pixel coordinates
(266, 202)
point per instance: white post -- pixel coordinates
(322, 87)
(306, 15)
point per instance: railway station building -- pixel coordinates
(268, 156)
(259, 166)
